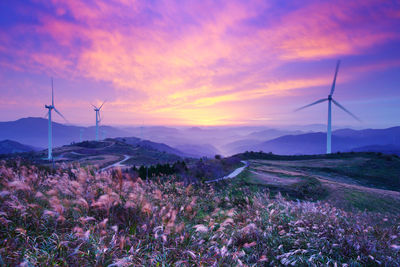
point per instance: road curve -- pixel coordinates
(232, 174)
(117, 164)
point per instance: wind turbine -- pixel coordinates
(50, 131)
(330, 100)
(98, 119)
(81, 135)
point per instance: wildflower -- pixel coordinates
(249, 228)
(19, 185)
(201, 228)
(49, 213)
(249, 245)
(228, 221)
(87, 219)
(20, 231)
(122, 242)
(395, 247)
(4, 193)
(158, 194)
(83, 203)
(230, 213)
(223, 251)
(191, 253)
(263, 258)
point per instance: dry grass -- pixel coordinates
(77, 218)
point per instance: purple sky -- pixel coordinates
(201, 62)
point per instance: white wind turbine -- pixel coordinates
(81, 135)
(330, 100)
(50, 131)
(98, 119)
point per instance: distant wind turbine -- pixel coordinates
(50, 131)
(81, 135)
(330, 100)
(98, 119)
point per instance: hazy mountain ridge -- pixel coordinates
(206, 141)
(9, 147)
(343, 140)
(33, 131)
(134, 141)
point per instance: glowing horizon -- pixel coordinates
(209, 63)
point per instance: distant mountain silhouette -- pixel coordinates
(194, 150)
(254, 139)
(9, 146)
(134, 141)
(343, 140)
(33, 131)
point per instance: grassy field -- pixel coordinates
(361, 181)
(101, 154)
(277, 212)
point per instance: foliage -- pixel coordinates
(73, 216)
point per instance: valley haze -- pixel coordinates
(210, 141)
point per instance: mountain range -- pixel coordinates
(343, 140)
(206, 141)
(9, 146)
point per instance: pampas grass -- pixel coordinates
(71, 217)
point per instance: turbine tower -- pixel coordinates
(50, 130)
(98, 119)
(330, 100)
(81, 135)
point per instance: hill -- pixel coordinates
(75, 216)
(33, 131)
(134, 141)
(104, 154)
(342, 141)
(9, 146)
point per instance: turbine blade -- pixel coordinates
(52, 92)
(93, 106)
(102, 104)
(334, 78)
(345, 110)
(59, 113)
(312, 104)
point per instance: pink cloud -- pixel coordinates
(190, 55)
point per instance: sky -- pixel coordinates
(203, 63)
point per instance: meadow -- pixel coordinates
(73, 216)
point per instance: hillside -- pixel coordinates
(75, 216)
(9, 146)
(33, 131)
(350, 180)
(315, 143)
(105, 153)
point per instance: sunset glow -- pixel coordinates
(200, 62)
